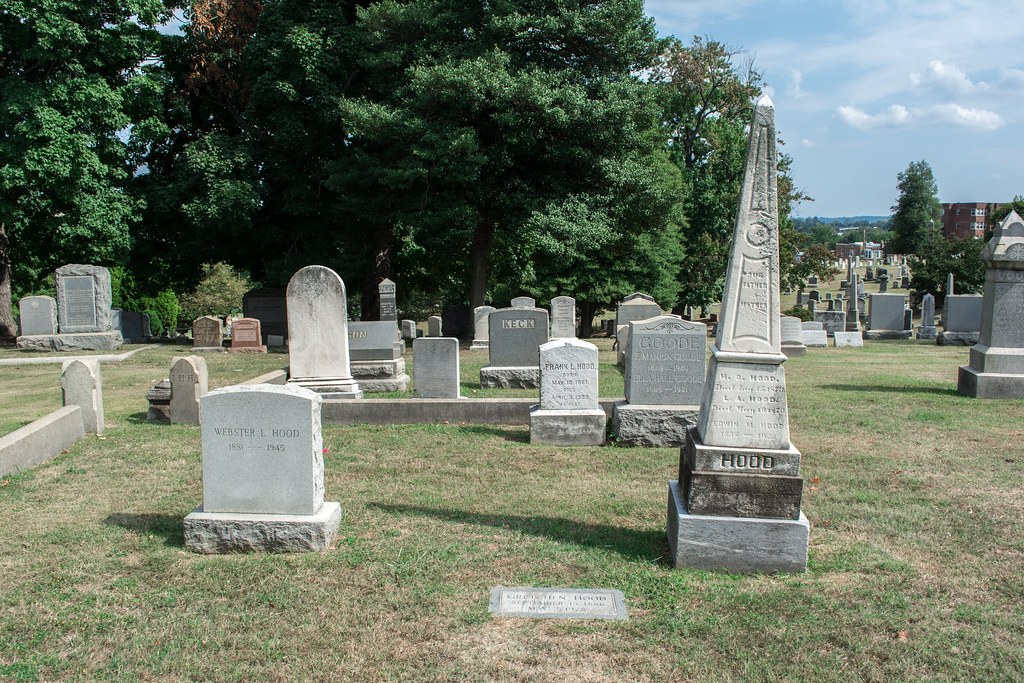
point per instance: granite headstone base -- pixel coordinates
(993, 373)
(567, 427)
(510, 377)
(957, 338)
(246, 349)
(380, 376)
(734, 544)
(330, 387)
(480, 345)
(159, 398)
(74, 341)
(927, 332)
(794, 350)
(224, 532)
(887, 334)
(658, 426)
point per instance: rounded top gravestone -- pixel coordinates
(317, 324)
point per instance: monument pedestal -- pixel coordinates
(73, 341)
(927, 332)
(659, 426)
(887, 334)
(793, 350)
(958, 338)
(380, 376)
(510, 377)
(567, 427)
(734, 544)
(224, 532)
(993, 373)
(330, 387)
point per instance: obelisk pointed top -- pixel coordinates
(765, 101)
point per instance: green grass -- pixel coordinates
(916, 563)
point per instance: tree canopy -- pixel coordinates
(915, 208)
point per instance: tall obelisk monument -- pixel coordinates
(736, 505)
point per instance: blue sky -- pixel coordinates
(862, 88)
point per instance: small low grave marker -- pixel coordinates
(849, 339)
(558, 603)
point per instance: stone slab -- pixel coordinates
(963, 313)
(373, 340)
(794, 350)
(563, 317)
(849, 339)
(887, 334)
(558, 603)
(831, 321)
(78, 341)
(377, 369)
(524, 302)
(509, 377)
(657, 426)
(40, 440)
(384, 385)
(885, 311)
(318, 331)
(957, 338)
(81, 384)
(726, 494)
(568, 427)
(976, 384)
(730, 460)
(219, 532)
(515, 336)
(815, 338)
(270, 307)
(401, 411)
(739, 545)
(927, 332)
(436, 367)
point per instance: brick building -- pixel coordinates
(966, 219)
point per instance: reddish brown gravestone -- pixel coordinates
(245, 336)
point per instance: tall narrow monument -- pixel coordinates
(996, 369)
(736, 505)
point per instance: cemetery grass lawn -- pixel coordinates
(916, 565)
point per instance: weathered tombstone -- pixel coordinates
(246, 337)
(270, 307)
(927, 329)
(962, 322)
(848, 339)
(996, 368)
(812, 305)
(436, 367)
(831, 321)
(883, 284)
(621, 344)
(828, 296)
(736, 504)
(831, 304)
(869, 273)
(814, 295)
(318, 334)
(524, 302)
(635, 307)
(664, 379)
(408, 330)
(814, 338)
(853, 305)
(812, 280)
(515, 338)
(800, 297)
(273, 339)
(375, 352)
(263, 473)
(563, 317)
(388, 307)
(207, 334)
(885, 317)
(38, 315)
(84, 316)
(434, 326)
(134, 327)
(949, 285)
(568, 413)
(82, 385)
(908, 319)
(159, 399)
(792, 337)
(481, 328)
(190, 381)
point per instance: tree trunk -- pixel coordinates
(478, 258)
(586, 310)
(8, 330)
(377, 268)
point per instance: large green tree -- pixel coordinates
(915, 208)
(69, 90)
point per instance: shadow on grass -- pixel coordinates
(882, 388)
(138, 419)
(633, 543)
(516, 433)
(169, 527)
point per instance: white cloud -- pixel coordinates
(898, 116)
(807, 143)
(942, 79)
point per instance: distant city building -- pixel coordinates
(966, 219)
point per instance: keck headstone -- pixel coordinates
(388, 306)
(436, 367)
(318, 334)
(190, 381)
(481, 328)
(263, 473)
(736, 504)
(927, 329)
(563, 317)
(207, 334)
(885, 317)
(996, 368)
(664, 380)
(82, 385)
(792, 337)
(568, 413)
(515, 338)
(38, 315)
(246, 337)
(962, 322)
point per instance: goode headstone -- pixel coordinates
(263, 473)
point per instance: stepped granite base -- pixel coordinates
(223, 532)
